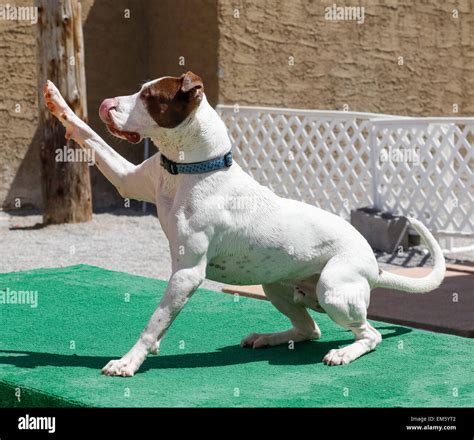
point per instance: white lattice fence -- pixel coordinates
(425, 167)
(344, 160)
(318, 157)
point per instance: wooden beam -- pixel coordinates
(66, 184)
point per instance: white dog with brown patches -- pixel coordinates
(304, 257)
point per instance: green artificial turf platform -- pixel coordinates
(51, 355)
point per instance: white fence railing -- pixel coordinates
(345, 160)
(425, 167)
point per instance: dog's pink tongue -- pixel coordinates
(131, 136)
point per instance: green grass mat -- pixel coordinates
(51, 355)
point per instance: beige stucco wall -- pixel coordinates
(337, 63)
(187, 29)
(18, 91)
(243, 60)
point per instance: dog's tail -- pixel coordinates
(418, 285)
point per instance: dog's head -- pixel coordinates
(160, 104)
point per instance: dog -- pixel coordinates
(305, 257)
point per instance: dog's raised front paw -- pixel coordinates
(58, 106)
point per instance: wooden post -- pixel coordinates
(66, 183)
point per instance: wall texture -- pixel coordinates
(184, 31)
(116, 64)
(342, 62)
(19, 161)
(242, 49)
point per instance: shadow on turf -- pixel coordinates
(311, 352)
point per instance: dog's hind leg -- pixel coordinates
(344, 294)
(304, 328)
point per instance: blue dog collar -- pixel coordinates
(196, 167)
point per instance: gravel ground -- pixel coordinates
(125, 241)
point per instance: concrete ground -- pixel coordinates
(125, 240)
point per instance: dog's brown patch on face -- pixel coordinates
(172, 99)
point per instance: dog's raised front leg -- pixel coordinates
(132, 181)
(181, 286)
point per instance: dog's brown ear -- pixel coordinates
(192, 84)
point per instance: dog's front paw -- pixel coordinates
(54, 100)
(124, 367)
(58, 106)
